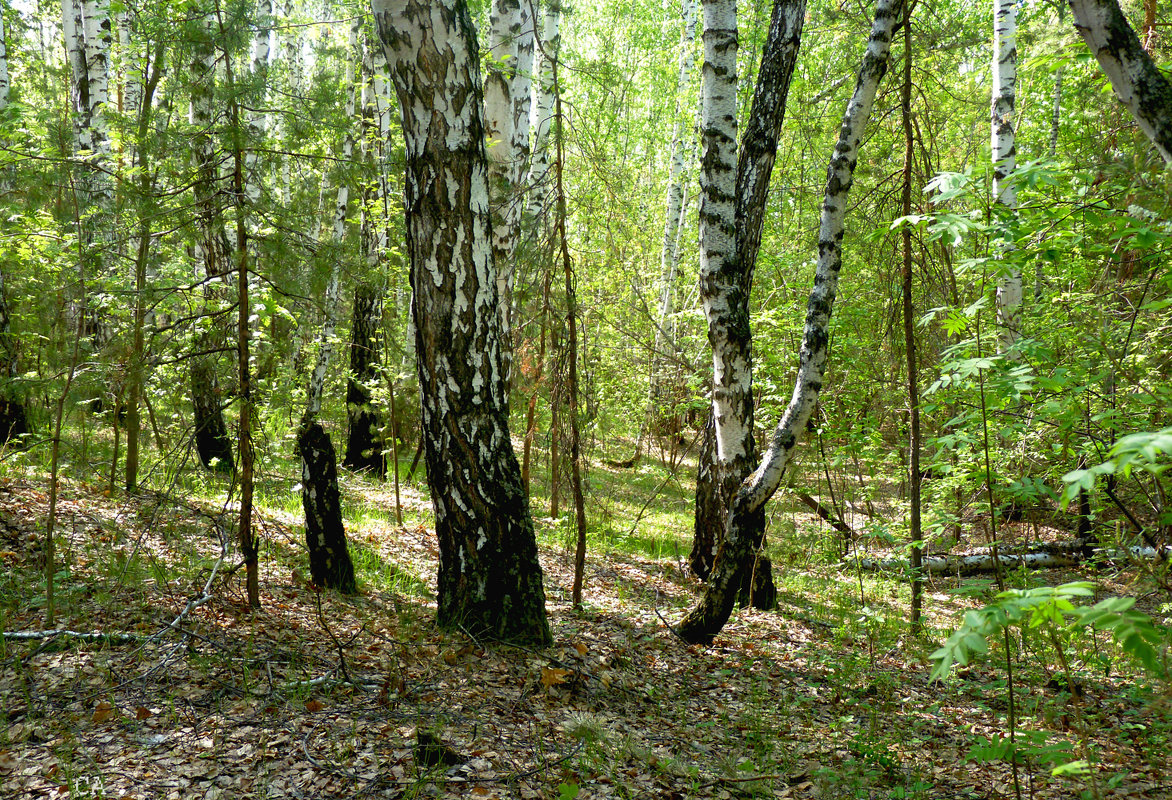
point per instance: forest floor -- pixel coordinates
(317, 695)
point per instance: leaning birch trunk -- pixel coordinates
(325, 534)
(1138, 82)
(726, 286)
(1009, 289)
(705, 621)
(490, 581)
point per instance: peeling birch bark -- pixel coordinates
(490, 581)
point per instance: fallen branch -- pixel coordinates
(826, 514)
(104, 638)
(205, 595)
(1043, 557)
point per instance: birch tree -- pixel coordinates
(745, 516)
(543, 103)
(1009, 287)
(1137, 81)
(734, 189)
(213, 259)
(507, 89)
(325, 534)
(669, 257)
(490, 581)
(364, 441)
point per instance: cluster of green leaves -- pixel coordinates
(1053, 609)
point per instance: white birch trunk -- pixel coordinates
(73, 29)
(1009, 287)
(503, 156)
(130, 66)
(542, 114)
(290, 48)
(731, 376)
(706, 620)
(1137, 81)
(257, 119)
(96, 21)
(3, 68)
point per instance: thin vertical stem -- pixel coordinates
(909, 331)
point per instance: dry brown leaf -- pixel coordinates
(554, 676)
(142, 713)
(102, 712)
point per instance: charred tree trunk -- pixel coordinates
(329, 559)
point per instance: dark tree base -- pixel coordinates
(710, 514)
(13, 421)
(211, 435)
(364, 445)
(325, 536)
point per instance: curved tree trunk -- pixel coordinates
(746, 515)
(731, 221)
(1138, 82)
(490, 581)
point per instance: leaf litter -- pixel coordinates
(800, 702)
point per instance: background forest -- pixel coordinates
(202, 244)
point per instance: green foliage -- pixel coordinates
(1054, 609)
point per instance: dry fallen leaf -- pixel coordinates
(102, 712)
(553, 676)
(142, 713)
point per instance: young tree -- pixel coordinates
(745, 516)
(490, 581)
